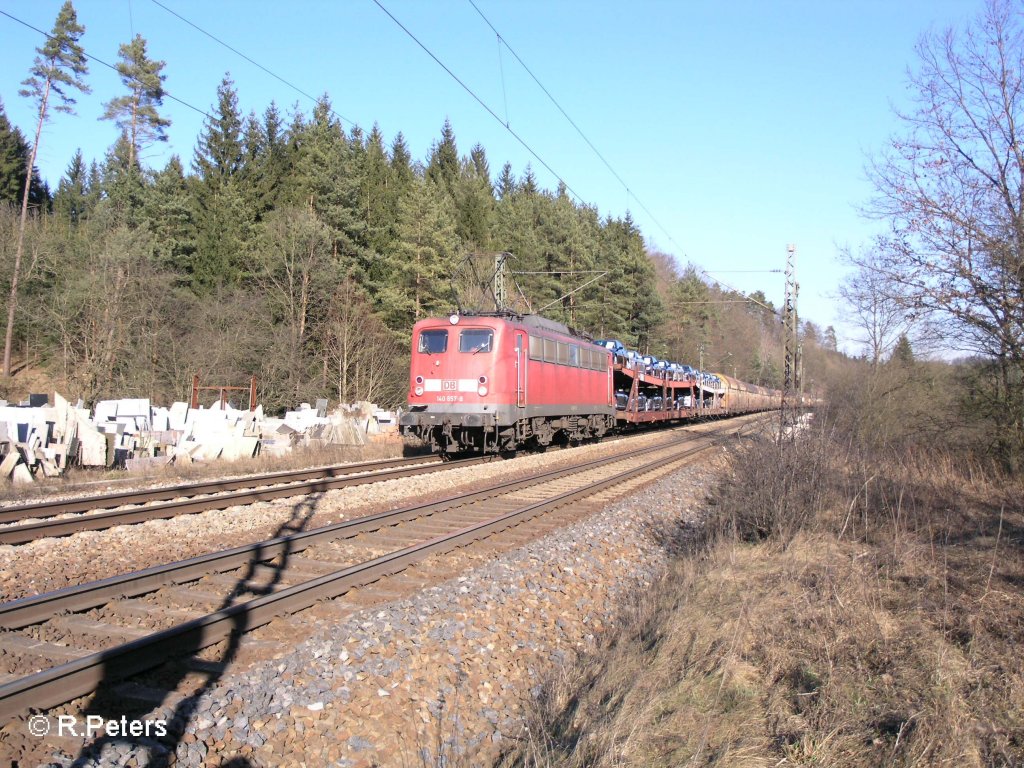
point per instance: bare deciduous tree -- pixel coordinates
(952, 186)
(365, 359)
(294, 268)
(879, 314)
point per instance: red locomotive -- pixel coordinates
(493, 383)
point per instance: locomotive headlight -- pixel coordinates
(454, 319)
(419, 379)
(418, 391)
(481, 390)
(483, 379)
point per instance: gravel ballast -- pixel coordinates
(53, 563)
(442, 677)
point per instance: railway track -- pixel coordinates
(130, 507)
(63, 644)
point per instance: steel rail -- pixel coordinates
(65, 682)
(35, 510)
(22, 534)
(38, 608)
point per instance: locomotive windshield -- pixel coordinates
(476, 340)
(433, 342)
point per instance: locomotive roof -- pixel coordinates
(533, 322)
(544, 324)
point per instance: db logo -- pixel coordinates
(449, 386)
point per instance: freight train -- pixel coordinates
(495, 383)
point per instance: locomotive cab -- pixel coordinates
(457, 381)
(494, 383)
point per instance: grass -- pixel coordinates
(837, 611)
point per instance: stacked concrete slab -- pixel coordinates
(133, 433)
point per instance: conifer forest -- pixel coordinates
(301, 250)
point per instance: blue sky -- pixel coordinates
(741, 126)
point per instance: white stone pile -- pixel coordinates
(134, 433)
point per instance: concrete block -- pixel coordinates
(240, 448)
(94, 446)
(105, 410)
(8, 464)
(21, 475)
(275, 448)
(161, 420)
(134, 407)
(177, 416)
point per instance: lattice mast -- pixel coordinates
(498, 282)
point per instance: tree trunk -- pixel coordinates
(13, 299)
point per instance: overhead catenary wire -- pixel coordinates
(166, 94)
(629, 192)
(250, 60)
(169, 95)
(480, 101)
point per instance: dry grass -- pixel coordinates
(868, 615)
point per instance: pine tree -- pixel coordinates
(123, 182)
(515, 232)
(168, 213)
(633, 301)
(60, 65)
(378, 204)
(71, 202)
(94, 186)
(218, 156)
(222, 218)
(528, 184)
(401, 162)
(326, 180)
(14, 157)
(296, 273)
(267, 161)
(506, 182)
(476, 201)
(902, 353)
(690, 316)
(422, 259)
(584, 247)
(136, 113)
(443, 168)
(829, 339)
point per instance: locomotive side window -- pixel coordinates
(574, 355)
(476, 340)
(563, 353)
(536, 348)
(549, 351)
(433, 342)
